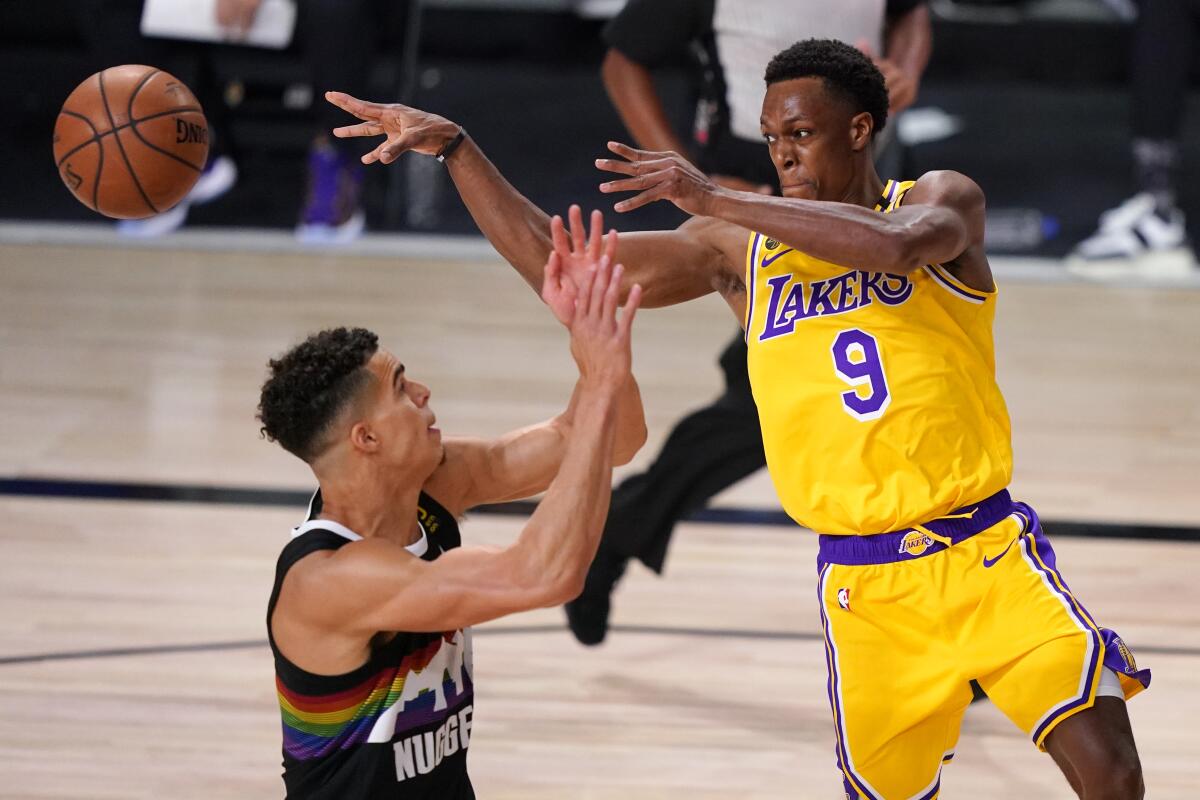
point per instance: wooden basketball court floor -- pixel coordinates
(132, 654)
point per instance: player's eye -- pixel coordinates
(768, 137)
(801, 133)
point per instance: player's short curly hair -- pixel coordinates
(848, 73)
(311, 384)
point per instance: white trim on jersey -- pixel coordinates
(417, 548)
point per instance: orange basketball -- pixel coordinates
(130, 141)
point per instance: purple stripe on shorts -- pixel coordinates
(843, 755)
(885, 548)
(1044, 563)
(932, 793)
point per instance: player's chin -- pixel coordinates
(800, 191)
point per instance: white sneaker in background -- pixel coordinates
(1134, 240)
(219, 176)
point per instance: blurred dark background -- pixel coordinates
(1039, 88)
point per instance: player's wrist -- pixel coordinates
(451, 144)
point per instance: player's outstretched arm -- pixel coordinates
(672, 266)
(375, 585)
(523, 462)
(941, 221)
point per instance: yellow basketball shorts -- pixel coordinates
(910, 617)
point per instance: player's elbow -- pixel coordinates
(913, 244)
(908, 255)
(554, 590)
(568, 588)
(628, 445)
(548, 581)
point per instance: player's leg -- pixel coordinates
(1048, 666)
(339, 41)
(896, 689)
(1096, 752)
(1149, 227)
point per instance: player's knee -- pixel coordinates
(1118, 777)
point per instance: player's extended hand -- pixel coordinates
(657, 176)
(405, 128)
(599, 338)
(572, 259)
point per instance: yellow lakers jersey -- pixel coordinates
(876, 393)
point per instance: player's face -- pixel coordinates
(812, 139)
(401, 416)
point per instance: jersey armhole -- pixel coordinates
(751, 259)
(940, 275)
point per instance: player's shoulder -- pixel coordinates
(947, 188)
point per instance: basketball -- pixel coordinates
(130, 141)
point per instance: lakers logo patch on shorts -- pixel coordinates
(915, 543)
(1126, 655)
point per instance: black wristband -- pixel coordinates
(451, 146)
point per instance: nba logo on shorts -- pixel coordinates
(915, 543)
(844, 598)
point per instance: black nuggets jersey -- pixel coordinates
(399, 725)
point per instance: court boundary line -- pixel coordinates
(499, 630)
(132, 491)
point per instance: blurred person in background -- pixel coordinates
(729, 42)
(336, 38)
(1146, 234)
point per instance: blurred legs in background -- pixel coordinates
(1146, 233)
(339, 42)
(706, 452)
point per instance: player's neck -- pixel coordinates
(373, 505)
(865, 188)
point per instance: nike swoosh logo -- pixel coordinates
(988, 562)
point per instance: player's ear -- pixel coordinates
(364, 438)
(862, 125)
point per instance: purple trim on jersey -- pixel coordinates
(963, 293)
(752, 279)
(884, 548)
(855, 788)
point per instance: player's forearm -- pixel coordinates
(630, 425)
(519, 230)
(631, 88)
(560, 540)
(843, 233)
(910, 41)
